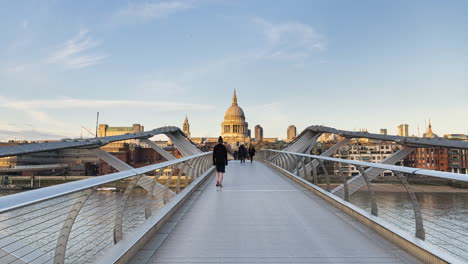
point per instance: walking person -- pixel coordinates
(242, 153)
(220, 160)
(251, 153)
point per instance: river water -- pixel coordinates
(445, 216)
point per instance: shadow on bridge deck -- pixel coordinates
(262, 217)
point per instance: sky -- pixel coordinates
(345, 64)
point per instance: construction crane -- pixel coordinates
(89, 131)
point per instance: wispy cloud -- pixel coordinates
(72, 53)
(148, 11)
(29, 135)
(291, 40)
(37, 106)
(15, 68)
(27, 108)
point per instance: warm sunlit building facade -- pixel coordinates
(403, 130)
(234, 129)
(291, 133)
(106, 131)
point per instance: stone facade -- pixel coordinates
(291, 133)
(234, 129)
(186, 127)
(107, 131)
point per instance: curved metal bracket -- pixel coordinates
(314, 172)
(193, 168)
(303, 168)
(120, 210)
(374, 208)
(327, 176)
(283, 162)
(345, 182)
(269, 156)
(279, 160)
(196, 167)
(274, 159)
(289, 162)
(204, 164)
(420, 233)
(150, 194)
(201, 164)
(185, 170)
(296, 163)
(59, 256)
(166, 188)
(179, 167)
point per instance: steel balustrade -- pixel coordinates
(75, 223)
(374, 208)
(345, 181)
(276, 158)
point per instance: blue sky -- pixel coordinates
(344, 64)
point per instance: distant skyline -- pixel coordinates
(344, 64)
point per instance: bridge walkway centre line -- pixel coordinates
(260, 216)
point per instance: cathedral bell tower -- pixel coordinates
(186, 127)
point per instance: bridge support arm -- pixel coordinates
(328, 153)
(185, 147)
(158, 149)
(119, 165)
(357, 181)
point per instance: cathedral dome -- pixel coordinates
(234, 112)
(234, 129)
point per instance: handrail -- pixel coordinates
(398, 221)
(15, 201)
(408, 170)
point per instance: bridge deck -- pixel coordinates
(262, 217)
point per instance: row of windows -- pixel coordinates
(370, 148)
(235, 129)
(367, 158)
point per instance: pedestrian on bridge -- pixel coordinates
(242, 153)
(251, 152)
(220, 160)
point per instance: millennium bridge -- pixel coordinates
(288, 206)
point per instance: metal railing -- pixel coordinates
(77, 222)
(415, 200)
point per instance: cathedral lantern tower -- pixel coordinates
(186, 127)
(234, 129)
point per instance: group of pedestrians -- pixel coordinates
(220, 159)
(241, 154)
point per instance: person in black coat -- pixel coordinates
(220, 160)
(242, 153)
(251, 153)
